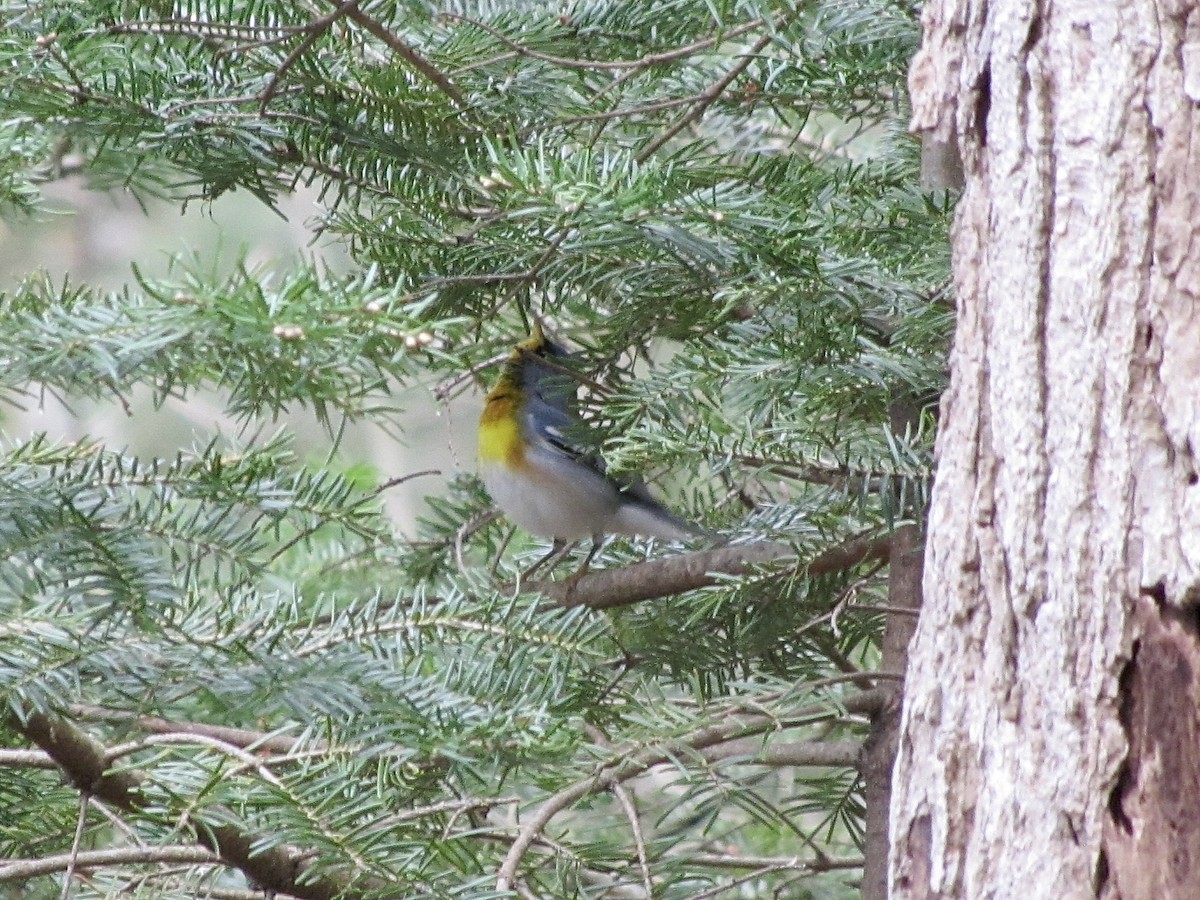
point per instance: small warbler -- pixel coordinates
(536, 472)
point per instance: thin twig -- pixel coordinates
(469, 527)
(192, 28)
(445, 389)
(734, 883)
(484, 278)
(315, 29)
(639, 840)
(222, 100)
(306, 533)
(833, 476)
(889, 610)
(645, 109)
(644, 62)
(706, 99)
(507, 876)
(848, 596)
(409, 55)
(594, 386)
(247, 759)
(517, 279)
(514, 279)
(455, 807)
(73, 856)
(774, 863)
(752, 25)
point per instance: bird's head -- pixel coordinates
(537, 367)
(538, 344)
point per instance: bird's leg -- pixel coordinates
(597, 543)
(557, 551)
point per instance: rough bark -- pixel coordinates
(1063, 558)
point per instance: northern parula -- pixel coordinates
(535, 470)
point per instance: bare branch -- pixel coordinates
(76, 842)
(22, 869)
(770, 863)
(238, 737)
(639, 840)
(799, 753)
(26, 759)
(613, 588)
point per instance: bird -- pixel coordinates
(538, 474)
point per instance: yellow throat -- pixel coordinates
(499, 429)
(499, 426)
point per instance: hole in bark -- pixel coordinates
(1124, 784)
(1192, 478)
(1157, 592)
(1189, 613)
(1149, 335)
(1034, 35)
(1100, 879)
(983, 103)
(1115, 807)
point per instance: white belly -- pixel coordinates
(553, 499)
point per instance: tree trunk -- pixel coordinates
(878, 756)
(1050, 745)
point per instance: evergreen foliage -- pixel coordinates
(714, 201)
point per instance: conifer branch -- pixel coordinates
(313, 32)
(631, 765)
(85, 762)
(706, 99)
(408, 54)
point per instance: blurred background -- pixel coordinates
(95, 237)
